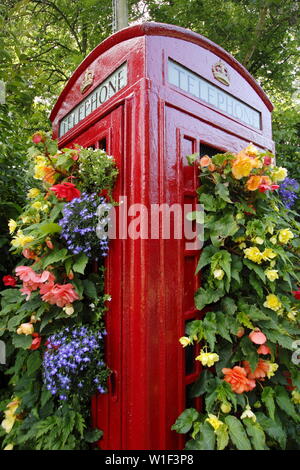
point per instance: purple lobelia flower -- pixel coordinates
(73, 363)
(287, 191)
(80, 225)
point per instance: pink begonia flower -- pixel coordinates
(46, 276)
(29, 254)
(31, 280)
(25, 273)
(263, 349)
(59, 294)
(29, 287)
(257, 337)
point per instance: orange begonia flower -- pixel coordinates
(253, 183)
(49, 175)
(266, 180)
(237, 378)
(260, 371)
(205, 161)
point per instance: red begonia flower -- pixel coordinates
(66, 191)
(9, 280)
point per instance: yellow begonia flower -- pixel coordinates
(272, 274)
(12, 225)
(20, 240)
(241, 166)
(33, 193)
(268, 254)
(296, 397)
(273, 240)
(214, 421)
(25, 329)
(242, 246)
(37, 205)
(253, 254)
(40, 159)
(251, 150)
(279, 174)
(272, 369)
(39, 171)
(26, 219)
(292, 315)
(207, 359)
(258, 240)
(218, 274)
(185, 341)
(10, 416)
(68, 309)
(272, 302)
(9, 447)
(285, 235)
(239, 239)
(248, 413)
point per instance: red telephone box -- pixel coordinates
(150, 95)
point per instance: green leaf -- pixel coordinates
(250, 352)
(206, 440)
(284, 402)
(201, 385)
(267, 398)
(222, 437)
(33, 362)
(274, 429)
(224, 227)
(68, 265)
(237, 433)
(185, 421)
(256, 315)
(90, 289)
(210, 329)
(209, 202)
(80, 263)
(54, 257)
(256, 434)
(223, 192)
(257, 269)
(205, 297)
(196, 215)
(236, 268)
(228, 305)
(255, 283)
(223, 326)
(93, 435)
(210, 400)
(22, 341)
(224, 358)
(205, 257)
(192, 158)
(49, 228)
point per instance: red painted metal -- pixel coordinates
(150, 126)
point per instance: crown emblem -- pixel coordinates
(221, 73)
(87, 81)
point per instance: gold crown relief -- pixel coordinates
(221, 73)
(87, 80)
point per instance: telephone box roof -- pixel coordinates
(160, 29)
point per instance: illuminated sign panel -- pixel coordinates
(102, 93)
(197, 86)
